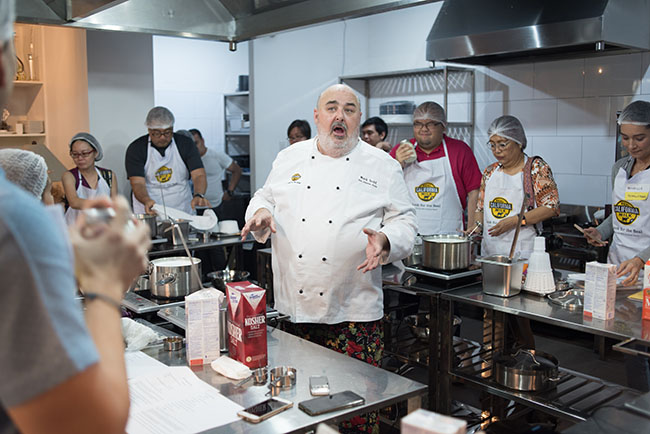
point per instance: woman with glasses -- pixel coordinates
(298, 131)
(514, 177)
(86, 181)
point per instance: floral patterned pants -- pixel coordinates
(361, 340)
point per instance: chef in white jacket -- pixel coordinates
(336, 209)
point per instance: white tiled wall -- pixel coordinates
(568, 108)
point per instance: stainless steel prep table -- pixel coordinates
(165, 249)
(576, 395)
(380, 388)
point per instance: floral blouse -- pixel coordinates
(544, 185)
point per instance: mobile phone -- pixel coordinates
(259, 412)
(318, 385)
(326, 404)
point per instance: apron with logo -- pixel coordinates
(433, 193)
(503, 198)
(631, 212)
(87, 193)
(169, 174)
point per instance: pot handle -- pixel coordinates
(168, 278)
(555, 377)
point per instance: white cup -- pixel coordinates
(19, 128)
(228, 227)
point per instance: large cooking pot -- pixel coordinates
(172, 277)
(446, 252)
(526, 370)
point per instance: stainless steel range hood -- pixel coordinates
(224, 20)
(496, 31)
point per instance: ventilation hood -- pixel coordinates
(495, 31)
(223, 20)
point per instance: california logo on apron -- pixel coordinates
(433, 193)
(169, 174)
(630, 211)
(503, 197)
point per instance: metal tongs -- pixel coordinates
(476, 226)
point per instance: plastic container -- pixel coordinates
(539, 277)
(501, 275)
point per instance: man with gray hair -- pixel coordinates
(441, 173)
(63, 367)
(160, 165)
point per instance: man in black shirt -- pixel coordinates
(161, 164)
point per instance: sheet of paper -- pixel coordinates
(138, 363)
(176, 401)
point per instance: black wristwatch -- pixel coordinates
(230, 193)
(199, 195)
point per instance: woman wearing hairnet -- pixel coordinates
(629, 222)
(86, 181)
(506, 184)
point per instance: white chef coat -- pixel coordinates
(433, 193)
(83, 192)
(215, 164)
(320, 206)
(170, 173)
(631, 216)
(503, 198)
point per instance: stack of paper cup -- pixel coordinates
(539, 278)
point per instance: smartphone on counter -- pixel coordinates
(318, 385)
(326, 404)
(259, 412)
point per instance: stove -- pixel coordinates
(445, 279)
(141, 302)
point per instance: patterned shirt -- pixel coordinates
(545, 188)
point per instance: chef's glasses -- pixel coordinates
(83, 154)
(158, 133)
(500, 145)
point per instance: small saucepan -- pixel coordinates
(221, 277)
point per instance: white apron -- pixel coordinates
(87, 193)
(170, 173)
(433, 193)
(503, 197)
(631, 216)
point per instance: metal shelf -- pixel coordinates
(574, 397)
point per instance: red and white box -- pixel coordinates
(247, 323)
(600, 290)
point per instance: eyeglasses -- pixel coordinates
(158, 133)
(84, 154)
(429, 125)
(500, 145)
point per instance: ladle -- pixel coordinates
(518, 228)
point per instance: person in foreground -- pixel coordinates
(630, 217)
(335, 209)
(62, 369)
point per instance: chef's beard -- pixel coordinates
(334, 149)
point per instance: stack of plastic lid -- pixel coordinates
(539, 278)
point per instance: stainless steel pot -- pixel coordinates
(173, 277)
(446, 252)
(415, 258)
(221, 277)
(149, 220)
(526, 370)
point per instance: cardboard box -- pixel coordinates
(202, 330)
(600, 291)
(247, 323)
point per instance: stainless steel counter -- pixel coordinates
(626, 323)
(380, 388)
(158, 250)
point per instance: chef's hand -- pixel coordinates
(593, 237)
(199, 201)
(376, 250)
(262, 219)
(148, 207)
(505, 225)
(109, 256)
(403, 152)
(632, 267)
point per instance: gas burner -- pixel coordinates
(143, 302)
(443, 274)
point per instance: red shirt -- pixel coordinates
(464, 167)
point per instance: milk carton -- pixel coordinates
(247, 323)
(600, 290)
(202, 330)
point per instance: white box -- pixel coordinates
(427, 422)
(202, 329)
(34, 127)
(600, 291)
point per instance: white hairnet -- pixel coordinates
(636, 113)
(7, 17)
(159, 118)
(25, 169)
(430, 110)
(91, 140)
(509, 127)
